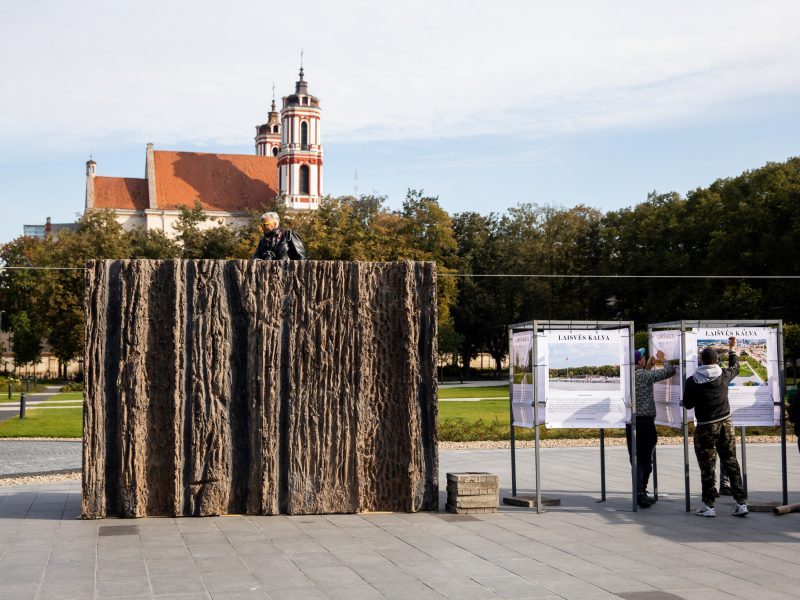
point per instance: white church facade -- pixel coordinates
(287, 168)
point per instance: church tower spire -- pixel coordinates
(301, 155)
(268, 135)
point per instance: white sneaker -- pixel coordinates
(706, 511)
(740, 510)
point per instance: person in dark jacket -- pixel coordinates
(278, 243)
(707, 393)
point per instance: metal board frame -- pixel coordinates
(536, 327)
(685, 325)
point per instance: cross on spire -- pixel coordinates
(301, 64)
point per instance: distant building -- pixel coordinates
(47, 230)
(287, 166)
(47, 366)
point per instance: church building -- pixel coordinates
(286, 167)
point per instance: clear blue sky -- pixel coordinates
(484, 104)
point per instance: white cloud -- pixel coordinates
(178, 72)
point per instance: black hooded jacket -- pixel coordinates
(280, 244)
(710, 399)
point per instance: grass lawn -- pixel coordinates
(74, 396)
(458, 421)
(61, 396)
(489, 420)
(16, 387)
(58, 423)
(15, 394)
(744, 370)
(4, 397)
(492, 391)
(756, 366)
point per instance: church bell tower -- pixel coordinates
(300, 156)
(268, 135)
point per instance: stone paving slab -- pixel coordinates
(581, 550)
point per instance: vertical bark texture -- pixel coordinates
(258, 387)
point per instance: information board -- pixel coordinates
(521, 376)
(669, 392)
(752, 394)
(587, 377)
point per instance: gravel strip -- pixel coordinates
(48, 478)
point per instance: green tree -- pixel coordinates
(153, 244)
(26, 338)
(98, 236)
(218, 242)
(188, 230)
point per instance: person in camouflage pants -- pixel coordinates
(709, 440)
(707, 393)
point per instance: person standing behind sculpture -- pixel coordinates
(707, 393)
(278, 243)
(646, 436)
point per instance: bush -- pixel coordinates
(74, 386)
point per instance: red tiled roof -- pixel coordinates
(120, 193)
(225, 182)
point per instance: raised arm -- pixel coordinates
(667, 371)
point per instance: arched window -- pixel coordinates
(304, 135)
(274, 151)
(305, 180)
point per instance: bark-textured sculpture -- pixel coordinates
(259, 387)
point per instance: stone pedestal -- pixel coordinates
(472, 493)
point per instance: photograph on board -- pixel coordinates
(581, 367)
(752, 358)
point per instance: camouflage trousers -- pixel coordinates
(708, 440)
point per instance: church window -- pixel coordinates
(304, 135)
(274, 151)
(304, 180)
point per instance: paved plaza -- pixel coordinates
(580, 550)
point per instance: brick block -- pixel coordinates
(475, 478)
(486, 501)
(470, 511)
(471, 489)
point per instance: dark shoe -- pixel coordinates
(725, 491)
(644, 501)
(716, 493)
